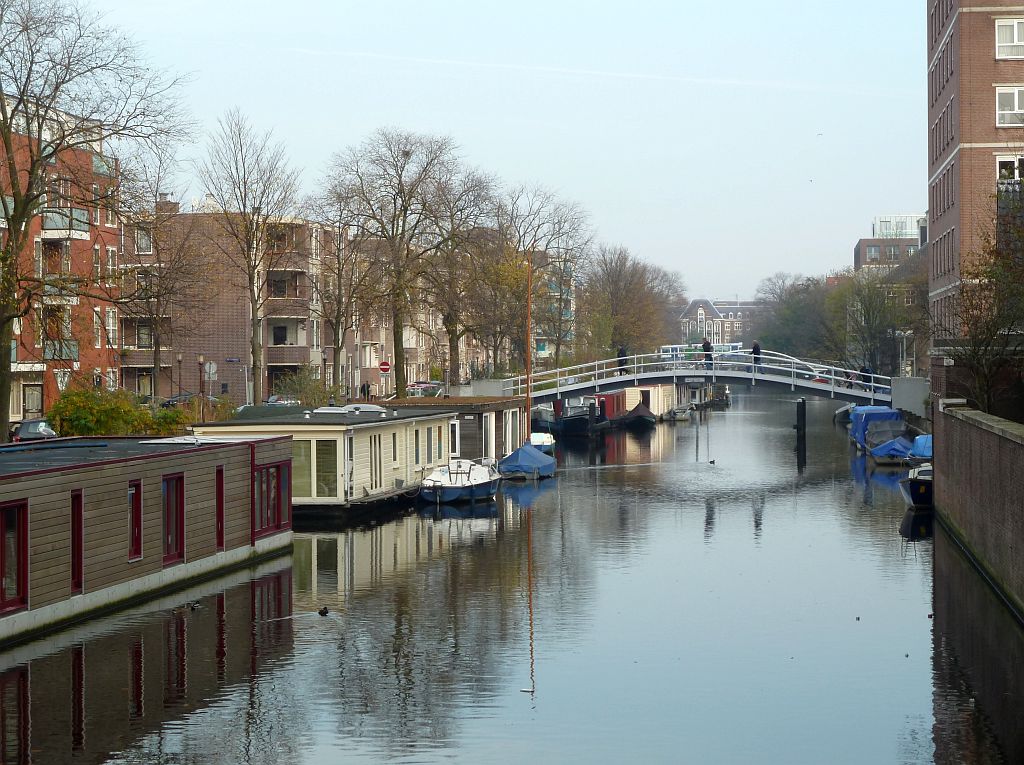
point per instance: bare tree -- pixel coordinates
(167, 285)
(463, 201)
(248, 175)
(389, 183)
(71, 90)
(549, 235)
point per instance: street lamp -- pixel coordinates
(202, 404)
(180, 359)
(323, 369)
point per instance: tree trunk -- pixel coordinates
(6, 378)
(451, 326)
(155, 392)
(256, 351)
(398, 365)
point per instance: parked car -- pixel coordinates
(424, 388)
(32, 430)
(278, 400)
(181, 398)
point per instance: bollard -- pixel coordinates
(801, 434)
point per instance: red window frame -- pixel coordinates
(77, 541)
(16, 512)
(220, 507)
(134, 520)
(173, 512)
(271, 498)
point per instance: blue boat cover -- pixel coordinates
(862, 415)
(529, 461)
(525, 493)
(922, 449)
(897, 447)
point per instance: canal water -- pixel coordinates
(696, 595)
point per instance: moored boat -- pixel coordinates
(544, 442)
(637, 418)
(527, 462)
(461, 480)
(917, 487)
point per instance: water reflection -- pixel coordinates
(112, 686)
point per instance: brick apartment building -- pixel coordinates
(976, 133)
(68, 333)
(721, 321)
(894, 239)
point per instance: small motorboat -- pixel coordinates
(544, 442)
(637, 418)
(917, 487)
(527, 462)
(461, 480)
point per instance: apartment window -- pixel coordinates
(37, 258)
(144, 335)
(97, 328)
(316, 332)
(143, 241)
(1010, 106)
(111, 327)
(892, 251)
(278, 288)
(97, 265)
(77, 548)
(111, 379)
(280, 334)
(134, 520)
(1010, 38)
(912, 249)
(13, 555)
(874, 251)
(1010, 168)
(110, 216)
(96, 204)
(111, 263)
(219, 488)
(173, 496)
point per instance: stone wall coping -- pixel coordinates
(1013, 431)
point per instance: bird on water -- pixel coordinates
(323, 611)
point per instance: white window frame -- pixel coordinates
(1018, 94)
(1017, 27)
(110, 265)
(143, 235)
(111, 327)
(1018, 165)
(111, 379)
(97, 328)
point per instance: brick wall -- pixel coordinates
(979, 486)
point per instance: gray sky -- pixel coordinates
(725, 141)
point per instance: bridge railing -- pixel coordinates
(772, 366)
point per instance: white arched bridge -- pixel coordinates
(775, 370)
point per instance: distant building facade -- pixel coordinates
(720, 321)
(894, 239)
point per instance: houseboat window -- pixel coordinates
(440, 449)
(219, 488)
(453, 438)
(135, 520)
(76, 541)
(376, 469)
(327, 468)
(394, 447)
(302, 464)
(417, 445)
(14, 532)
(271, 483)
(430, 443)
(174, 518)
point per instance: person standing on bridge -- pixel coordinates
(706, 346)
(755, 352)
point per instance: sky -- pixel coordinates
(723, 141)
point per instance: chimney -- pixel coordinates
(164, 204)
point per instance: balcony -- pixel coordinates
(287, 354)
(65, 223)
(287, 307)
(63, 350)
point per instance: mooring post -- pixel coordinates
(801, 434)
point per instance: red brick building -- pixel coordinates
(975, 133)
(70, 329)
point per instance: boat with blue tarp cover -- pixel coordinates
(527, 462)
(862, 417)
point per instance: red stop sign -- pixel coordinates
(385, 367)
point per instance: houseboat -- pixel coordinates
(90, 524)
(364, 454)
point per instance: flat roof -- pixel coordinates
(301, 415)
(58, 453)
